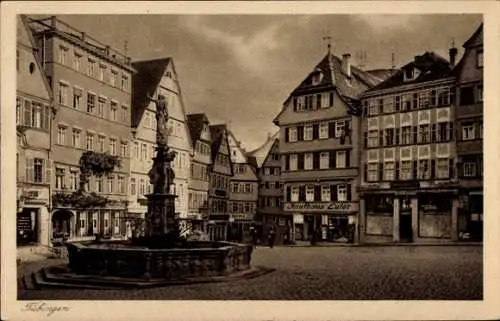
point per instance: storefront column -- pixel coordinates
(454, 219)
(362, 220)
(44, 226)
(414, 218)
(395, 220)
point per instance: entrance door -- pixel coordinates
(405, 230)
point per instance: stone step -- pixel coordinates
(41, 282)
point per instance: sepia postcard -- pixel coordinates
(250, 160)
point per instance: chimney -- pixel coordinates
(453, 54)
(346, 64)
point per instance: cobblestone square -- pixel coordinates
(322, 273)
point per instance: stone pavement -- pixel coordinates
(322, 273)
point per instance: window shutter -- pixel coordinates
(46, 118)
(415, 169)
(349, 192)
(365, 139)
(48, 171)
(415, 134)
(451, 131)
(365, 172)
(300, 133)
(287, 132)
(317, 193)
(397, 136)
(333, 193)
(27, 113)
(315, 131)
(331, 129)
(287, 162)
(318, 101)
(381, 138)
(294, 103)
(347, 159)
(380, 171)
(452, 172)
(288, 193)
(396, 174)
(433, 168)
(433, 133)
(30, 169)
(347, 129)
(332, 159)
(316, 160)
(331, 99)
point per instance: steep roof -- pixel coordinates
(430, 65)
(144, 83)
(195, 124)
(216, 134)
(261, 152)
(474, 36)
(382, 74)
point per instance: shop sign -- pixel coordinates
(319, 206)
(240, 217)
(405, 184)
(31, 194)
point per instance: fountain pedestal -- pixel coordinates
(160, 217)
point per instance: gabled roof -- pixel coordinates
(474, 36)
(195, 124)
(430, 65)
(144, 83)
(261, 152)
(382, 74)
(216, 134)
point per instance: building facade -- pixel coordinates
(469, 124)
(199, 182)
(221, 171)
(408, 184)
(244, 192)
(91, 86)
(320, 152)
(270, 205)
(33, 121)
(158, 77)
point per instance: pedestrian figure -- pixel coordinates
(272, 236)
(314, 237)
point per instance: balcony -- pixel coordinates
(319, 174)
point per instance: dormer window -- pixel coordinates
(409, 74)
(316, 78)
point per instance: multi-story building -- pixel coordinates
(270, 206)
(221, 171)
(408, 190)
(469, 124)
(91, 86)
(33, 120)
(199, 181)
(318, 143)
(158, 77)
(244, 192)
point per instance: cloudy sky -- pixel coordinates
(240, 68)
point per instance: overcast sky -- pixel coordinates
(239, 69)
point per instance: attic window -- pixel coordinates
(409, 74)
(169, 74)
(316, 78)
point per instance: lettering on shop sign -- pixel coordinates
(319, 206)
(31, 194)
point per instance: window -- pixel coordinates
(481, 131)
(77, 61)
(341, 159)
(90, 141)
(38, 169)
(406, 133)
(325, 193)
(121, 185)
(406, 170)
(389, 171)
(323, 130)
(73, 180)
(36, 121)
(425, 134)
(423, 99)
(479, 59)
(293, 162)
(468, 131)
(75, 138)
(310, 193)
(480, 93)
(114, 111)
(372, 175)
(339, 129)
(99, 185)
(308, 161)
(292, 134)
(111, 184)
(388, 105)
(467, 95)
(60, 178)
(424, 170)
(342, 193)
(324, 159)
(112, 78)
(372, 107)
(144, 151)
(123, 149)
(100, 142)
(102, 71)
(90, 103)
(91, 68)
(372, 138)
(77, 98)
(124, 114)
(63, 55)
(443, 168)
(112, 146)
(295, 194)
(63, 94)
(409, 72)
(389, 136)
(124, 82)
(469, 168)
(308, 132)
(61, 135)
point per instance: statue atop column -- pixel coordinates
(161, 174)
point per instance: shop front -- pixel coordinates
(470, 216)
(32, 223)
(323, 221)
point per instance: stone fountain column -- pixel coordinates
(160, 217)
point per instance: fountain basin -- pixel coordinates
(124, 260)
